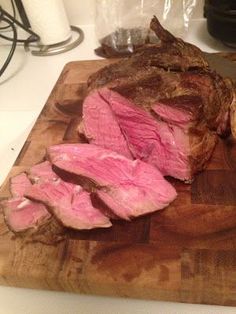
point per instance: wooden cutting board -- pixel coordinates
(185, 253)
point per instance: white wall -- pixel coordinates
(6, 5)
(198, 11)
(80, 11)
(83, 11)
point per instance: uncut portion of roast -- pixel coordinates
(163, 105)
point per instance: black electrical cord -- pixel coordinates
(9, 17)
(13, 46)
(28, 40)
(14, 15)
(11, 21)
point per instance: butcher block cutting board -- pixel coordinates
(185, 253)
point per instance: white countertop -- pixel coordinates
(24, 89)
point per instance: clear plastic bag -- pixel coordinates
(122, 26)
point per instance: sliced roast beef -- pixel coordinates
(165, 146)
(147, 86)
(176, 140)
(130, 188)
(70, 203)
(185, 113)
(20, 213)
(100, 126)
(19, 184)
(180, 110)
(42, 172)
(168, 104)
(144, 81)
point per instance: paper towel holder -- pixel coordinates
(68, 44)
(71, 38)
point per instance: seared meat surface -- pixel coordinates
(166, 102)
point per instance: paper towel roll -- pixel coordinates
(48, 19)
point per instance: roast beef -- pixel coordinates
(101, 127)
(146, 86)
(19, 184)
(173, 53)
(168, 104)
(20, 213)
(170, 143)
(130, 188)
(68, 202)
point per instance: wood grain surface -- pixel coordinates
(184, 253)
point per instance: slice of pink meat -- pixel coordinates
(70, 203)
(163, 145)
(19, 184)
(129, 187)
(42, 172)
(100, 126)
(20, 213)
(180, 110)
